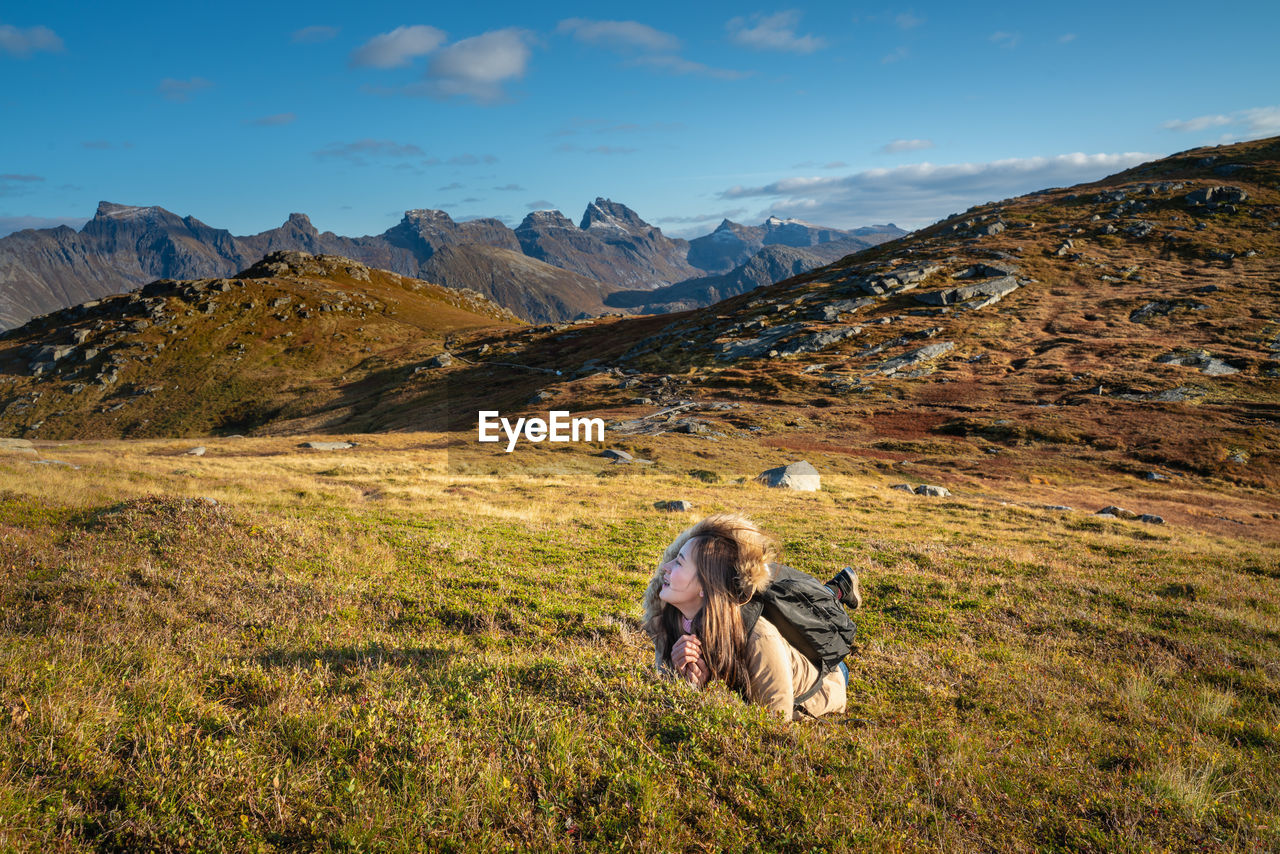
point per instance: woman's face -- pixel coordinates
(680, 584)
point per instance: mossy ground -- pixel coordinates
(365, 651)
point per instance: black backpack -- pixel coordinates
(806, 613)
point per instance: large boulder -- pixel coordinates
(800, 476)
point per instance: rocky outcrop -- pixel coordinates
(801, 476)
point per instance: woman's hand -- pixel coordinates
(686, 657)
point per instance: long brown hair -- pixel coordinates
(731, 557)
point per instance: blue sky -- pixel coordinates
(842, 114)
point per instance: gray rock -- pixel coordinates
(1153, 476)
(1201, 359)
(328, 446)
(1062, 507)
(615, 454)
(674, 506)
(815, 341)
(1140, 229)
(1151, 519)
(912, 358)
(832, 311)
(440, 360)
(997, 288)
(800, 476)
(541, 397)
(990, 228)
(54, 463)
(197, 451)
(1117, 512)
(20, 446)
(935, 491)
(1213, 197)
(1163, 307)
(986, 271)
(904, 487)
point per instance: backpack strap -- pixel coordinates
(817, 683)
(750, 616)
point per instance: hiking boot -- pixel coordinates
(845, 586)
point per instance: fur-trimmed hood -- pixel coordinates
(754, 575)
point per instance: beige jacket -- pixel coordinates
(779, 672)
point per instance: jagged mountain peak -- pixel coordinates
(112, 210)
(606, 213)
(545, 219)
(427, 215)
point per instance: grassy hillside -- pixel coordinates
(364, 651)
(298, 340)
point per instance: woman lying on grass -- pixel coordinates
(693, 611)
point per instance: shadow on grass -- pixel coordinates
(374, 653)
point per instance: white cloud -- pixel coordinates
(10, 224)
(900, 145)
(272, 121)
(314, 35)
(472, 160)
(541, 205)
(922, 193)
(477, 67)
(1247, 124)
(599, 149)
(680, 65)
(619, 34)
(22, 43)
(397, 48)
(17, 185)
(357, 151)
(182, 90)
(773, 32)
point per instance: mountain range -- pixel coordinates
(546, 269)
(1124, 326)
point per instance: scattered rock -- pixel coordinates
(54, 463)
(615, 454)
(441, 360)
(673, 506)
(1117, 512)
(19, 446)
(1153, 476)
(328, 446)
(1163, 308)
(799, 476)
(1216, 198)
(1201, 359)
(1151, 519)
(542, 396)
(912, 358)
(904, 487)
(992, 290)
(197, 451)
(935, 491)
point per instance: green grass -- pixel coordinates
(311, 665)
